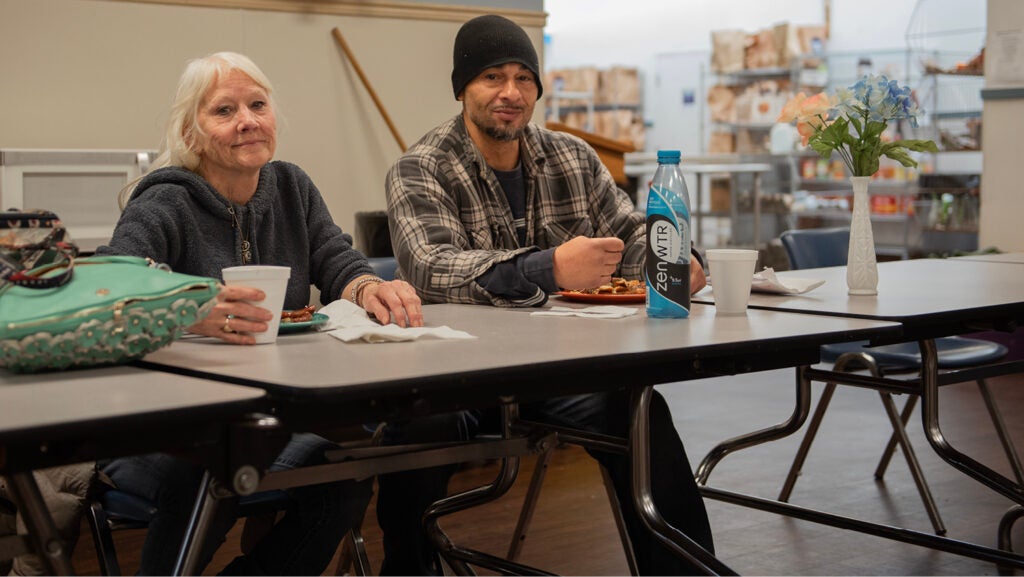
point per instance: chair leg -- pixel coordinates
(353, 554)
(912, 463)
(106, 556)
(1004, 437)
(620, 521)
(844, 362)
(890, 447)
(530, 503)
(805, 444)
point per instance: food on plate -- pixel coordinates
(303, 315)
(617, 286)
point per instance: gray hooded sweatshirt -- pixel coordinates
(176, 217)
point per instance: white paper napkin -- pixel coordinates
(350, 323)
(767, 281)
(598, 312)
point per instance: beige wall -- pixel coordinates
(99, 74)
(1002, 190)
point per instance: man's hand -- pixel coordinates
(697, 278)
(585, 262)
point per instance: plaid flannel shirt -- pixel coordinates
(450, 220)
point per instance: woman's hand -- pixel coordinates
(231, 316)
(395, 299)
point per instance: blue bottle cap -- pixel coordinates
(668, 156)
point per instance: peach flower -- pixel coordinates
(817, 105)
(807, 129)
(792, 108)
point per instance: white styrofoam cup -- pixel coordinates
(732, 271)
(273, 281)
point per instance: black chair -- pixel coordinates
(813, 248)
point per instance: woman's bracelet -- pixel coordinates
(361, 284)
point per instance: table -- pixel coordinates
(74, 416)
(517, 357)
(930, 298)
(1005, 257)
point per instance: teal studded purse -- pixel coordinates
(103, 310)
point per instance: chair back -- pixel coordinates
(816, 247)
(384, 267)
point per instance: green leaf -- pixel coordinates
(873, 130)
(856, 125)
(918, 145)
(899, 154)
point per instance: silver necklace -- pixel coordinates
(246, 247)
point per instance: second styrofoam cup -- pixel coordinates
(732, 271)
(273, 281)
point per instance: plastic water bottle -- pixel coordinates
(667, 262)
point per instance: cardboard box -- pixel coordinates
(727, 48)
(761, 51)
(618, 85)
(721, 194)
(575, 80)
(615, 124)
(721, 143)
(787, 43)
(812, 38)
(722, 103)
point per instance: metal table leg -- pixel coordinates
(41, 529)
(460, 558)
(801, 408)
(198, 528)
(933, 431)
(643, 499)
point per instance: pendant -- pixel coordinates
(246, 252)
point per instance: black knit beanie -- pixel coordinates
(487, 41)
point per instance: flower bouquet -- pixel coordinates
(825, 122)
(850, 123)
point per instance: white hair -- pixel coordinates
(183, 126)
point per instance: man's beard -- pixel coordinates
(496, 130)
(503, 134)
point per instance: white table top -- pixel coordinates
(922, 294)
(1005, 257)
(53, 404)
(513, 349)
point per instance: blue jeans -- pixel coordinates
(405, 496)
(301, 543)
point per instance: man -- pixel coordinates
(491, 209)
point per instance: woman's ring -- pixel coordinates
(227, 324)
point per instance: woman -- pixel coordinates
(216, 199)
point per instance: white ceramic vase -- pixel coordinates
(861, 264)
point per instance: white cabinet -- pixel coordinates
(81, 186)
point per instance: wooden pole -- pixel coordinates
(369, 88)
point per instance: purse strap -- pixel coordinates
(34, 279)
